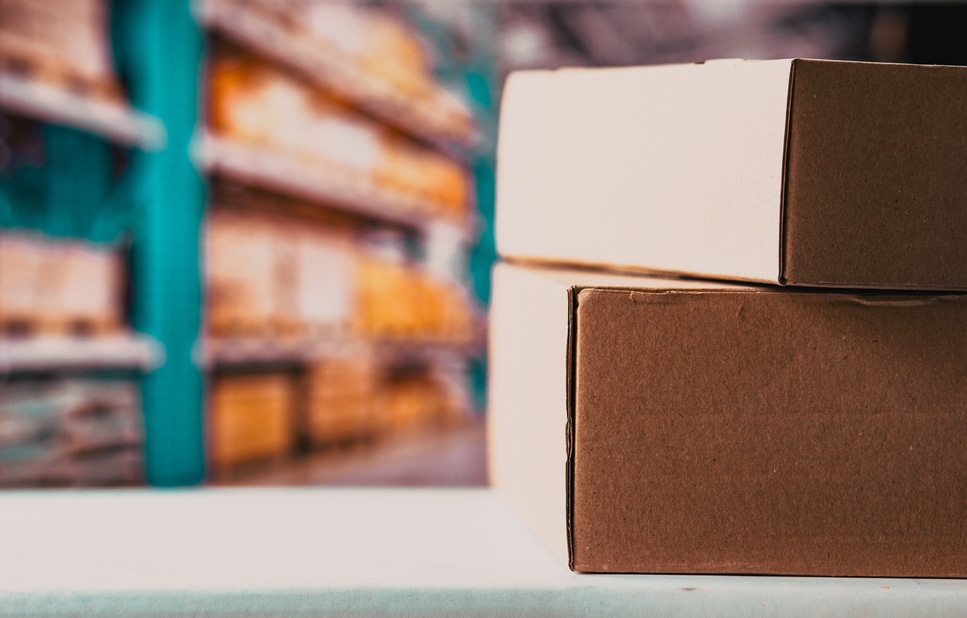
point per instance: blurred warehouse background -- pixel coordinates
(249, 241)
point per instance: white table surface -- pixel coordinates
(368, 552)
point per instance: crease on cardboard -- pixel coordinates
(570, 358)
(784, 190)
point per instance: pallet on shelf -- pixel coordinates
(63, 44)
(71, 433)
(124, 350)
(52, 287)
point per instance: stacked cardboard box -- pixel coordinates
(250, 418)
(50, 286)
(812, 421)
(268, 276)
(63, 44)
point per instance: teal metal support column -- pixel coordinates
(159, 46)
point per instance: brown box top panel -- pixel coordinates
(770, 433)
(876, 190)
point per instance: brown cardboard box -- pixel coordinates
(249, 418)
(800, 172)
(663, 426)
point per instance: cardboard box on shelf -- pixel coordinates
(244, 260)
(664, 426)
(341, 400)
(56, 286)
(801, 172)
(64, 44)
(255, 102)
(250, 418)
(396, 302)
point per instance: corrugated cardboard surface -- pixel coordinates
(696, 169)
(769, 432)
(877, 176)
(730, 429)
(528, 392)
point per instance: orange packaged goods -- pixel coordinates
(64, 44)
(58, 287)
(342, 400)
(380, 45)
(250, 418)
(380, 61)
(399, 302)
(420, 402)
(254, 102)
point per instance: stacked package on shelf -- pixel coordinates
(63, 44)
(377, 61)
(74, 433)
(255, 103)
(61, 287)
(810, 421)
(270, 277)
(356, 397)
(431, 397)
(250, 418)
(400, 303)
(342, 399)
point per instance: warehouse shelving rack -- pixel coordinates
(157, 45)
(55, 353)
(444, 239)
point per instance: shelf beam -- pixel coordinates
(291, 175)
(112, 121)
(270, 351)
(72, 353)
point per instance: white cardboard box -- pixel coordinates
(801, 172)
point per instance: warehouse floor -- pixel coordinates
(454, 458)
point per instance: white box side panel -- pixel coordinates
(671, 168)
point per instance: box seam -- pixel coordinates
(570, 362)
(784, 191)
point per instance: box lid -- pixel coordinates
(799, 172)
